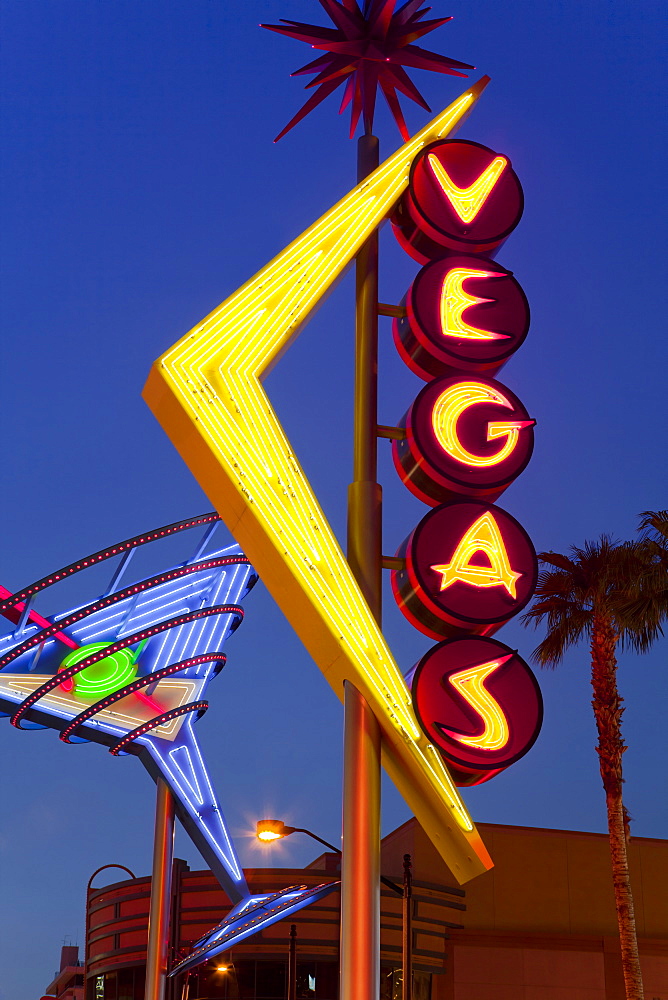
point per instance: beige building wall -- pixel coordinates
(541, 925)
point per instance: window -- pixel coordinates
(317, 980)
(258, 980)
(391, 982)
(421, 986)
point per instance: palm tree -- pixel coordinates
(614, 595)
(654, 526)
(654, 536)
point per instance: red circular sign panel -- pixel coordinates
(461, 196)
(465, 313)
(468, 437)
(470, 567)
(479, 703)
(411, 239)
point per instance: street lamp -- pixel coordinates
(275, 829)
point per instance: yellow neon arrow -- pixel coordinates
(206, 393)
(468, 201)
(471, 686)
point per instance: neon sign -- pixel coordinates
(485, 537)
(469, 568)
(207, 393)
(462, 313)
(456, 444)
(467, 201)
(454, 300)
(480, 703)
(453, 402)
(163, 633)
(104, 677)
(470, 684)
(463, 197)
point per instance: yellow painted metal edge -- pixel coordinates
(206, 393)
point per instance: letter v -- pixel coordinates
(467, 202)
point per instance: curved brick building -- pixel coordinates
(540, 926)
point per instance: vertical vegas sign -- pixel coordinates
(464, 440)
(468, 566)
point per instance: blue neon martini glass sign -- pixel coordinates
(129, 670)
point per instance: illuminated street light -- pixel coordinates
(272, 829)
(275, 829)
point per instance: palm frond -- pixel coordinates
(557, 559)
(654, 525)
(623, 582)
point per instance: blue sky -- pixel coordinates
(140, 186)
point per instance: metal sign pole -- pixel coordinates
(158, 918)
(292, 963)
(360, 867)
(407, 956)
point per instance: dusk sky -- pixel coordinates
(140, 187)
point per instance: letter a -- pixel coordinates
(483, 536)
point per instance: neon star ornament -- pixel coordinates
(130, 669)
(366, 49)
(206, 392)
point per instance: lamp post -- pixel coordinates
(407, 950)
(275, 829)
(269, 830)
(292, 964)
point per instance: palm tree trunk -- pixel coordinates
(608, 710)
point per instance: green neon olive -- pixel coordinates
(105, 676)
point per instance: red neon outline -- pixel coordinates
(98, 557)
(120, 595)
(33, 616)
(193, 706)
(56, 680)
(133, 687)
